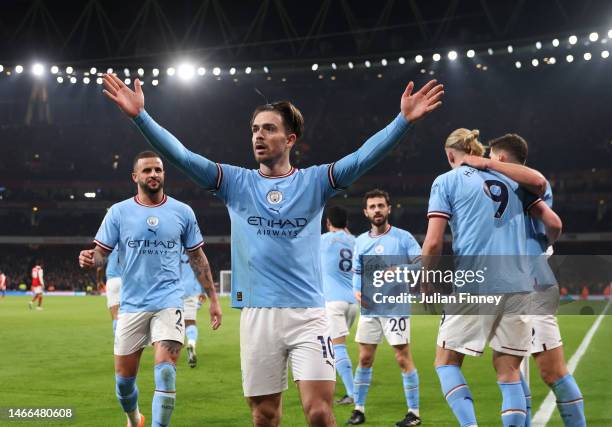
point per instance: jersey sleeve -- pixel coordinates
(440, 199)
(108, 233)
(199, 168)
(528, 199)
(192, 237)
(231, 182)
(413, 249)
(356, 268)
(346, 170)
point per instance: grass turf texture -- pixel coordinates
(62, 357)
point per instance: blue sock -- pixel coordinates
(165, 394)
(344, 367)
(127, 392)
(569, 401)
(114, 326)
(514, 407)
(411, 389)
(457, 394)
(527, 393)
(192, 333)
(363, 377)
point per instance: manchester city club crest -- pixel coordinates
(379, 249)
(274, 197)
(152, 221)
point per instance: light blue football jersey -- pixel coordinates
(486, 212)
(190, 284)
(149, 240)
(113, 266)
(337, 266)
(393, 242)
(537, 243)
(275, 241)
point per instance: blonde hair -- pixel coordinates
(465, 140)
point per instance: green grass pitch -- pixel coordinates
(62, 357)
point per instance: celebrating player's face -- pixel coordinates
(270, 140)
(149, 174)
(377, 210)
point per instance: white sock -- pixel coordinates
(191, 343)
(360, 408)
(414, 411)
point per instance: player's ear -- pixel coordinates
(451, 157)
(291, 140)
(135, 177)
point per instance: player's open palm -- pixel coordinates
(131, 102)
(419, 104)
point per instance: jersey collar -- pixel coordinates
(381, 234)
(291, 171)
(164, 200)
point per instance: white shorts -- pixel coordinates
(113, 291)
(370, 330)
(272, 337)
(340, 317)
(137, 330)
(545, 333)
(190, 307)
(469, 334)
(37, 290)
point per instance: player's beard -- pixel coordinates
(144, 186)
(378, 220)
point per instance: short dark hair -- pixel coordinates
(376, 193)
(144, 155)
(293, 121)
(513, 144)
(336, 216)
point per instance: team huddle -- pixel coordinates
(298, 291)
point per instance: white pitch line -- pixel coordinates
(541, 418)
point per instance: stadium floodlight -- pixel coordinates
(60, 79)
(54, 69)
(216, 71)
(128, 81)
(594, 36)
(109, 71)
(452, 55)
(248, 70)
(266, 69)
(170, 71)
(401, 60)
(232, 71)
(436, 57)
(186, 71)
(572, 39)
(93, 70)
(154, 82)
(86, 80)
(334, 66)
(38, 69)
(555, 42)
(518, 64)
(1, 68)
(552, 60)
(538, 45)
(535, 62)
(19, 69)
(69, 70)
(610, 34)
(367, 63)
(90, 195)
(140, 72)
(471, 53)
(418, 59)
(490, 51)
(155, 72)
(126, 72)
(569, 58)
(510, 48)
(587, 56)
(605, 54)
(350, 65)
(201, 71)
(99, 80)
(73, 80)
(383, 62)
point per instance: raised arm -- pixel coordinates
(413, 107)
(201, 269)
(131, 102)
(552, 222)
(526, 177)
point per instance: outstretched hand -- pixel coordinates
(417, 105)
(131, 102)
